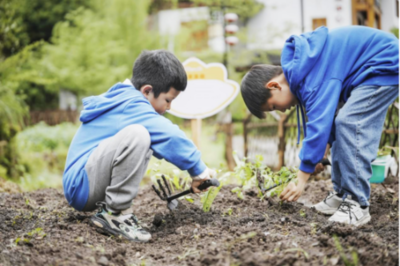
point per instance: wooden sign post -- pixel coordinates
(196, 132)
(208, 92)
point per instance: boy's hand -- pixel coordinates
(319, 168)
(293, 192)
(197, 180)
(196, 184)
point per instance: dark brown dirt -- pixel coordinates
(235, 232)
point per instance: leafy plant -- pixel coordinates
(257, 173)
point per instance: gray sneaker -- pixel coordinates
(350, 212)
(126, 225)
(329, 205)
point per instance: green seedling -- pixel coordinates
(241, 238)
(343, 255)
(298, 250)
(303, 213)
(228, 212)
(208, 198)
(189, 199)
(188, 252)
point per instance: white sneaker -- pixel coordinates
(329, 205)
(350, 212)
(125, 225)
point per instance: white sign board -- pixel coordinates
(208, 90)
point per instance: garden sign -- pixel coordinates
(208, 92)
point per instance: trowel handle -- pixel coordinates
(325, 162)
(208, 183)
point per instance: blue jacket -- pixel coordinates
(103, 116)
(322, 68)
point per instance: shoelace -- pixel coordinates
(101, 205)
(345, 207)
(134, 221)
(328, 197)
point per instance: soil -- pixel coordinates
(39, 228)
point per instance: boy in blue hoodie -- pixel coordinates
(321, 70)
(121, 129)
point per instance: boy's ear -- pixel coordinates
(146, 89)
(273, 85)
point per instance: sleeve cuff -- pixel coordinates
(199, 168)
(307, 168)
(331, 139)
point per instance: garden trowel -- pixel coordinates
(172, 201)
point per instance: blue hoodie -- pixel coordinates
(322, 68)
(105, 115)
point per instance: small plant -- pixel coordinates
(228, 212)
(26, 239)
(208, 198)
(252, 174)
(346, 261)
(298, 250)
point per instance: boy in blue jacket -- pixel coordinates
(121, 129)
(357, 66)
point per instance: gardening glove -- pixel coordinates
(198, 180)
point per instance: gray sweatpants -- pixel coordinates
(116, 167)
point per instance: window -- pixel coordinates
(318, 22)
(367, 13)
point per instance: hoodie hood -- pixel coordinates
(94, 106)
(299, 55)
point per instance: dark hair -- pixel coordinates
(160, 69)
(253, 88)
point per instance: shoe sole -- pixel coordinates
(363, 221)
(104, 227)
(326, 212)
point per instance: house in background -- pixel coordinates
(206, 26)
(279, 19)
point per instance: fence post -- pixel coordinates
(246, 121)
(229, 146)
(282, 144)
(281, 135)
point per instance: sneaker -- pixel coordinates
(329, 205)
(118, 224)
(350, 212)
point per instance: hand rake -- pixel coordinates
(172, 202)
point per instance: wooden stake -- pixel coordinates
(196, 132)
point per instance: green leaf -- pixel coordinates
(208, 197)
(189, 199)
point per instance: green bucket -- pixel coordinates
(380, 168)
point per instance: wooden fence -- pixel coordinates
(52, 117)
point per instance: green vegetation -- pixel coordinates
(250, 174)
(42, 152)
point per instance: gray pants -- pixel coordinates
(116, 167)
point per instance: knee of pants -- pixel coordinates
(138, 132)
